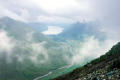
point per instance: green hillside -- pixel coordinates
(106, 66)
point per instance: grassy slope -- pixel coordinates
(111, 60)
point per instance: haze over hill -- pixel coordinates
(25, 50)
(32, 53)
(43, 39)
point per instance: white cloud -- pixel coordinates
(6, 43)
(61, 6)
(54, 19)
(7, 12)
(53, 30)
(29, 36)
(25, 14)
(39, 49)
(62, 10)
(91, 48)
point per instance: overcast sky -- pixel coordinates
(105, 12)
(60, 10)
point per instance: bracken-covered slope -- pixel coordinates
(106, 67)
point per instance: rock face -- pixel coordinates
(107, 67)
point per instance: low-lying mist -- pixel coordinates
(29, 54)
(41, 56)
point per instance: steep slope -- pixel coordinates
(105, 67)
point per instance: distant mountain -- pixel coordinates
(106, 67)
(40, 27)
(27, 53)
(78, 31)
(18, 29)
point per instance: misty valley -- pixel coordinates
(30, 52)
